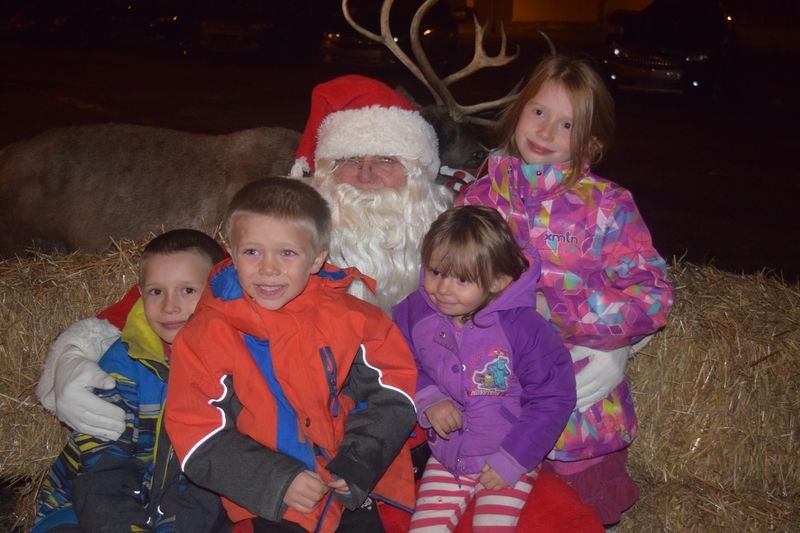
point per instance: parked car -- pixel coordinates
(272, 31)
(341, 44)
(91, 22)
(679, 46)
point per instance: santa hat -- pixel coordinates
(354, 116)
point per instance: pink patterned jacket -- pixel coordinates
(605, 284)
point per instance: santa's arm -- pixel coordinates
(71, 372)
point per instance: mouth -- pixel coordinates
(539, 149)
(443, 303)
(173, 324)
(269, 291)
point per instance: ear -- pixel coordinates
(322, 256)
(500, 283)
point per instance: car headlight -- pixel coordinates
(701, 56)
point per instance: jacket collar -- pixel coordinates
(226, 295)
(142, 341)
(544, 180)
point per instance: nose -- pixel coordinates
(443, 285)
(171, 303)
(268, 265)
(365, 171)
(547, 130)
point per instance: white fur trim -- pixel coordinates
(300, 167)
(376, 130)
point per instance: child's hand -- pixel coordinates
(305, 492)
(339, 486)
(444, 417)
(491, 479)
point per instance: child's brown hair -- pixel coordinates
(182, 240)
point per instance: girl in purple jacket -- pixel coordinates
(495, 384)
(603, 285)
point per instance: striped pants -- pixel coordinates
(442, 499)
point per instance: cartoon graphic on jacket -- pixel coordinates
(324, 384)
(604, 282)
(506, 371)
(134, 482)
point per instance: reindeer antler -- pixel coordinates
(440, 89)
(387, 40)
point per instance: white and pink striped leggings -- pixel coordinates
(442, 499)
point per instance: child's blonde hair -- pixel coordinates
(286, 199)
(476, 245)
(592, 108)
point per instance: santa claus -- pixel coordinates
(373, 156)
(375, 159)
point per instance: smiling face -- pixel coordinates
(171, 287)
(543, 131)
(274, 257)
(454, 296)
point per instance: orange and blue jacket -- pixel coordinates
(323, 384)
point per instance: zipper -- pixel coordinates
(329, 365)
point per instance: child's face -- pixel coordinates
(273, 257)
(453, 296)
(543, 130)
(171, 287)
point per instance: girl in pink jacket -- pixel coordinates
(603, 286)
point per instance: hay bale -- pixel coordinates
(39, 297)
(717, 398)
(715, 391)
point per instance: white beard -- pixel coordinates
(380, 232)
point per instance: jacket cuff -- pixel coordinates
(425, 398)
(359, 479)
(506, 466)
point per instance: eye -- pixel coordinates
(568, 125)
(249, 251)
(154, 292)
(434, 272)
(288, 253)
(538, 112)
(190, 290)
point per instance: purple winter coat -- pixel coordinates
(506, 371)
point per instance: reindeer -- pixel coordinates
(76, 187)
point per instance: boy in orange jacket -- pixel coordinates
(287, 396)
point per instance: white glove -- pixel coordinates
(600, 376)
(71, 372)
